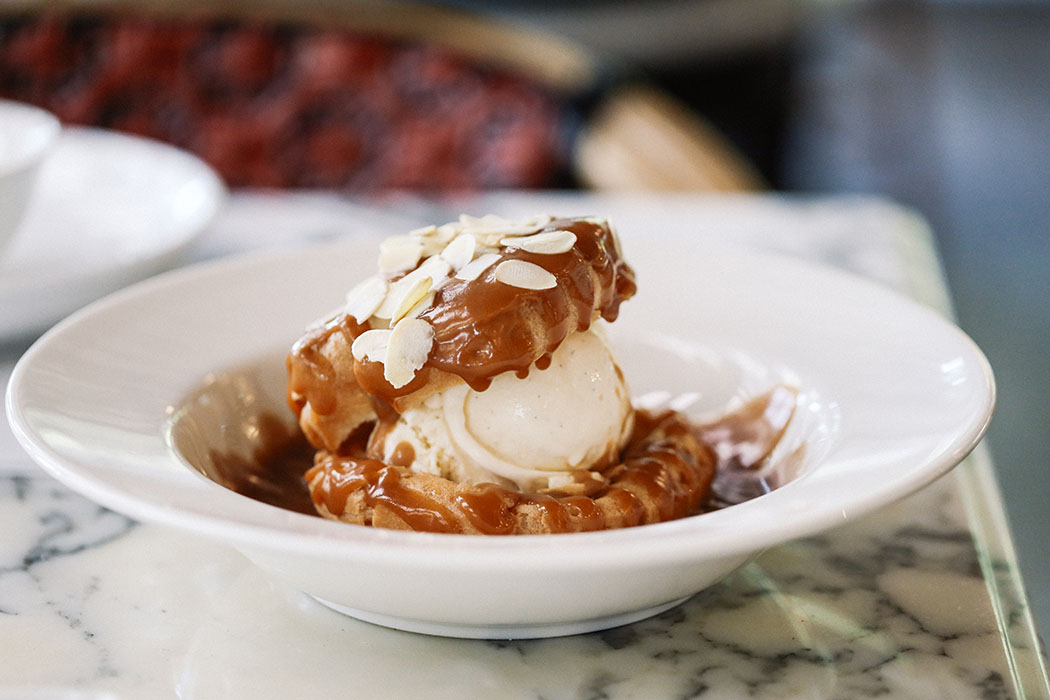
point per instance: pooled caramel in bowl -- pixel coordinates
(739, 444)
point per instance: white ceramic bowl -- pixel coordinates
(108, 209)
(893, 397)
(26, 136)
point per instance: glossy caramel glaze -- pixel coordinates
(482, 328)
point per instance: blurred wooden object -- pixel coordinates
(636, 138)
(642, 139)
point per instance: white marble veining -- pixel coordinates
(913, 602)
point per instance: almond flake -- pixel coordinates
(472, 270)
(399, 253)
(433, 268)
(410, 344)
(446, 232)
(371, 345)
(560, 481)
(434, 238)
(615, 236)
(491, 225)
(546, 243)
(365, 298)
(431, 247)
(424, 231)
(412, 297)
(460, 251)
(420, 306)
(526, 275)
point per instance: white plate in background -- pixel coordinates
(108, 210)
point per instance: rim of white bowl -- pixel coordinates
(40, 128)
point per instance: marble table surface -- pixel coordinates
(920, 600)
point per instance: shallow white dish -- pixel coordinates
(894, 396)
(108, 210)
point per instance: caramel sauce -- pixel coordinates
(487, 507)
(655, 481)
(382, 487)
(664, 474)
(274, 472)
(484, 328)
(312, 377)
(403, 455)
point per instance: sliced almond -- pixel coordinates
(371, 345)
(526, 275)
(560, 481)
(399, 253)
(435, 240)
(424, 231)
(460, 251)
(483, 248)
(446, 232)
(434, 268)
(413, 296)
(615, 235)
(365, 298)
(472, 270)
(410, 344)
(432, 246)
(491, 225)
(546, 243)
(421, 305)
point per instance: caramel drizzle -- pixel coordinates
(383, 486)
(312, 378)
(484, 327)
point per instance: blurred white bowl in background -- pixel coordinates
(26, 136)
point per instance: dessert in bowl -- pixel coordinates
(469, 388)
(180, 382)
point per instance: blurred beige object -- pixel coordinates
(642, 139)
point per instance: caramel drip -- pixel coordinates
(403, 455)
(380, 486)
(312, 377)
(488, 507)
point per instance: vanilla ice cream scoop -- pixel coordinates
(530, 433)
